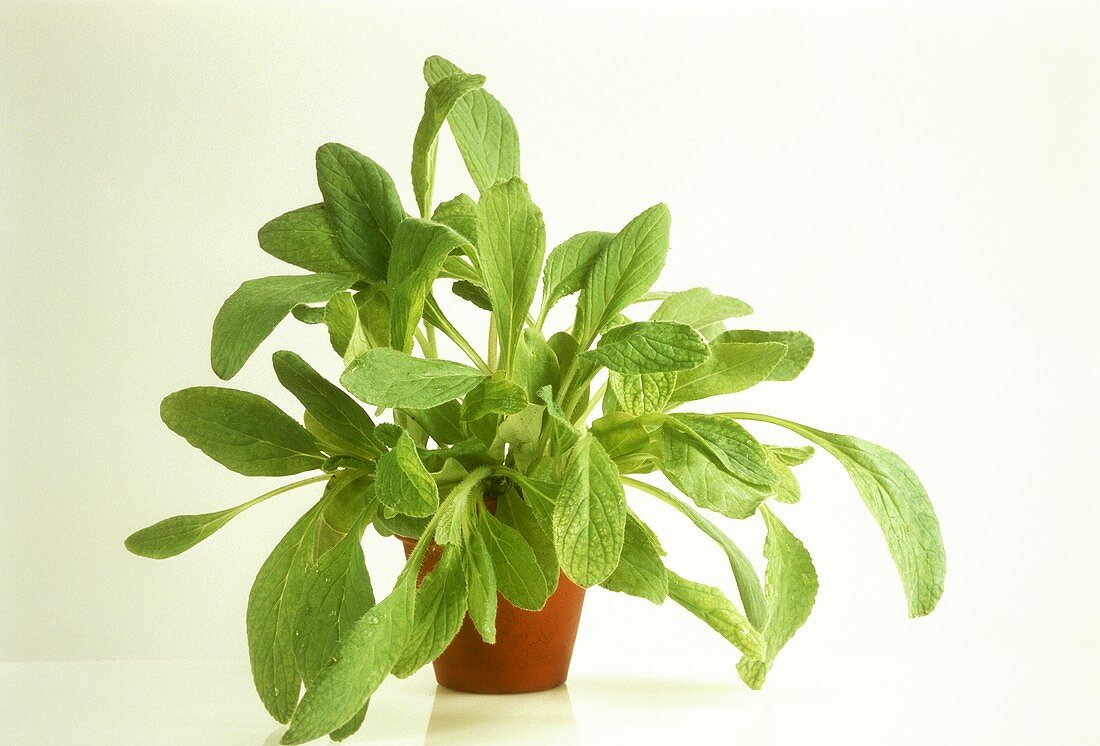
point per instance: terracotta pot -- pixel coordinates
(532, 651)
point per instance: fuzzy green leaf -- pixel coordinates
(481, 586)
(254, 309)
(403, 484)
(306, 238)
(569, 264)
(367, 653)
(388, 378)
(519, 577)
(735, 366)
(439, 99)
(800, 348)
(790, 588)
(241, 431)
(711, 605)
(512, 240)
(650, 347)
(590, 515)
(493, 396)
(482, 128)
(700, 308)
(623, 271)
(440, 609)
(363, 205)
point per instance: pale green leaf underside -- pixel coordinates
(711, 605)
(388, 378)
(800, 348)
(440, 97)
(700, 308)
(735, 366)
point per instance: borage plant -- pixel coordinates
(512, 429)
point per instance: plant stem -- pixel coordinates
(492, 341)
(448, 329)
(591, 405)
(284, 488)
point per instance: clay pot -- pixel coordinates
(532, 651)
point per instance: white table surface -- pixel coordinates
(1050, 700)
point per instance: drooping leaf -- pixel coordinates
(642, 393)
(272, 608)
(482, 128)
(790, 588)
(711, 605)
(333, 409)
(700, 308)
(495, 395)
(439, 99)
(367, 653)
(590, 515)
(177, 534)
(514, 511)
(241, 431)
(569, 264)
(419, 248)
(519, 577)
(625, 269)
(650, 347)
(733, 367)
(900, 504)
(640, 571)
(403, 484)
(349, 501)
(481, 586)
(741, 453)
(306, 238)
(512, 242)
(308, 314)
(254, 309)
(474, 293)
(388, 378)
(440, 609)
(336, 592)
(363, 205)
(800, 348)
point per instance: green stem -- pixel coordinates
(281, 490)
(493, 345)
(455, 336)
(591, 405)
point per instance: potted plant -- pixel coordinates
(505, 475)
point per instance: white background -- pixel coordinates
(915, 185)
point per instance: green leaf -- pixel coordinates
(792, 456)
(441, 422)
(701, 308)
(693, 468)
(711, 605)
(640, 572)
(333, 409)
(308, 314)
(741, 454)
(790, 589)
(438, 102)
(363, 205)
(521, 432)
(306, 238)
(514, 511)
(388, 378)
(481, 586)
(339, 318)
(241, 431)
(253, 311)
(512, 242)
(898, 501)
(179, 533)
(620, 274)
(800, 348)
(590, 515)
(402, 482)
(272, 608)
(569, 264)
(787, 489)
(735, 366)
(493, 396)
(535, 363)
(642, 393)
(349, 499)
(650, 347)
(460, 215)
(367, 654)
(519, 577)
(564, 432)
(621, 434)
(482, 128)
(419, 249)
(474, 293)
(335, 593)
(440, 609)
(349, 728)
(541, 497)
